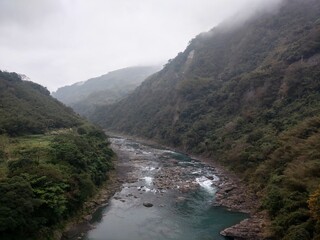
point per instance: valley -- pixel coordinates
(222, 142)
(164, 194)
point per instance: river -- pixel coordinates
(165, 195)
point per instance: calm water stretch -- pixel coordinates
(180, 189)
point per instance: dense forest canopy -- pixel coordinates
(247, 96)
(26, 107)
(51, 160)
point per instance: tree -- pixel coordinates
(16, 206)
(314, 204)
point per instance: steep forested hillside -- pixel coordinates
(247, 95)
(26, 107)
(51, 160)
(84, 97)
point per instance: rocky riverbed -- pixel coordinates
(165, 181)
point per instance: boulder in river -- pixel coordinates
(180, 199)
(147, 204)
(210, 177)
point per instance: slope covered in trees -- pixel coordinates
(26, 107)
(51, 160)
(246, 95)
(84, 97)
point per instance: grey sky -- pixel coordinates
(59, 42)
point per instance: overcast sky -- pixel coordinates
(59, 42)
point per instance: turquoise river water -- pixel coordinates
(181, 190)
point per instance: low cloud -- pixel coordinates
(25, 13)
(58, 42)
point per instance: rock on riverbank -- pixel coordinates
(231, 193)
(249, 229)
(234, 194)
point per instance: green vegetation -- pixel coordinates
(248, 97)
(51, 161)
(106, 89)
(46, 178)
(26, 107)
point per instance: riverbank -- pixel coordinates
(233, 194)
(236, 196)
(78, 225)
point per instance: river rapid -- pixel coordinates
(165, 195)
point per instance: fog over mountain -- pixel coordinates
(85, 96)
(58, 42)
(225, 128)
(245, 95)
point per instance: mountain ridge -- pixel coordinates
(83, 97)
(51, 161)
(249, 98)
(32, 109)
